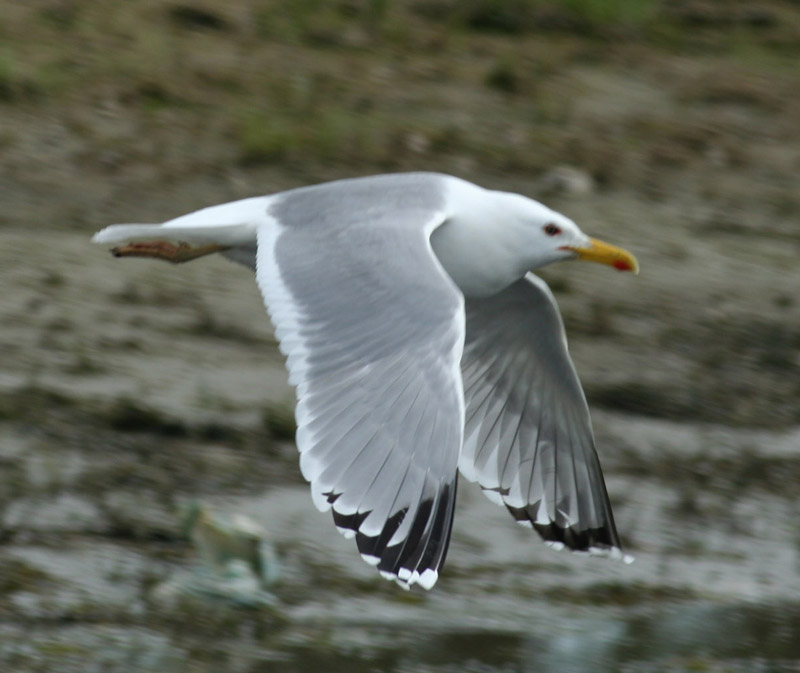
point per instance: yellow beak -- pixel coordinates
(605, 253)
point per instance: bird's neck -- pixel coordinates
(481, 258)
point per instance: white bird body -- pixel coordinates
(472, 218)
(419, 343)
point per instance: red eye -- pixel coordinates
(552, 230)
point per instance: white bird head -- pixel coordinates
(552, 237)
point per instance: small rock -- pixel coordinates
(237, 563)
(237, 586)
(566, 180)
(417, 142)
(223, 539)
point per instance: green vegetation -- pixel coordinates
(580, 16)
(325, 88)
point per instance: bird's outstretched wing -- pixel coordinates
(528, 437)
(373, 329)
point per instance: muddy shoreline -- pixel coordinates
(130, 389)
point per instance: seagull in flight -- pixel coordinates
(421, 346)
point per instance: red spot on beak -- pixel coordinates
(622, 265)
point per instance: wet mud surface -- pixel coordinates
(137, 388)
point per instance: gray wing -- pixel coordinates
(528, 437)
(373, 329)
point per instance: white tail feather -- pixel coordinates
(117, 233)
(237, 234)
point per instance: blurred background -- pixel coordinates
(152, 513)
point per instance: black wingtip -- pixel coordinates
(601, 539)
(420, 556)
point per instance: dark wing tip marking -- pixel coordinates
(419, 557)
(375, 545)
(603, 538)
(349, 521)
